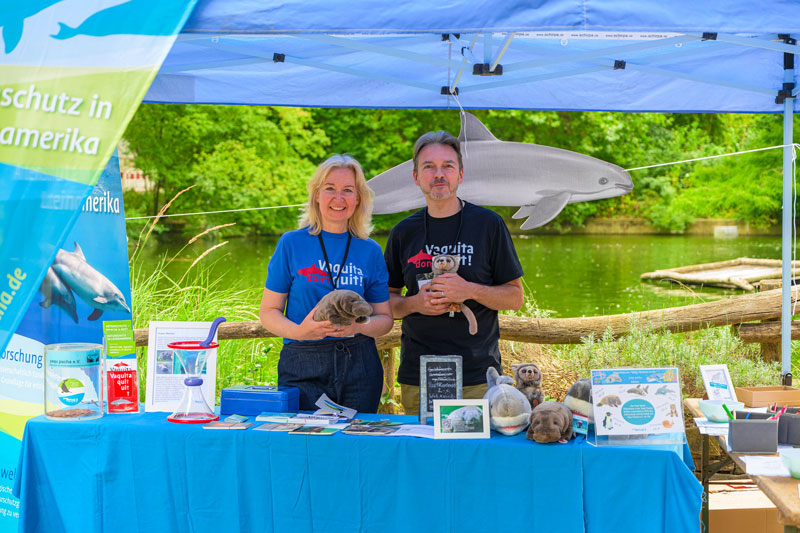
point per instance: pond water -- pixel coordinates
(569, 275)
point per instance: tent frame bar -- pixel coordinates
(787, 226)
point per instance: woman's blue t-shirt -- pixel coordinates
(298, 270)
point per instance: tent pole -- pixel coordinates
(788, 228)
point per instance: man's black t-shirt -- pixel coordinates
(488, 257)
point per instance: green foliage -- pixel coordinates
(648, 349)
(239, 156)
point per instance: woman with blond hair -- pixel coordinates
(331, 250)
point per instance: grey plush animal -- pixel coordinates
(509, 410)
(444, 263)
(579, 398)
(528, 380)
(342, 308)
(550, 422)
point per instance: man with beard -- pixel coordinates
(488, 278)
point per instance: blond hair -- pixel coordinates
(360, 223)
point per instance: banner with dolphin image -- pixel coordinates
(73, 74)
(87, 284)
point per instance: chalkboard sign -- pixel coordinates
(440, 378)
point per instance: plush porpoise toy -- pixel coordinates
(342, 308)
(579, 398)
(550, 422)
(509, 410)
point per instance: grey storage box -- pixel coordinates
(753, 435)
(788, 426)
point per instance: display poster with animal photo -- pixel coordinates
(87, 283)
(718, 382)
(637, 402)
(165, 369)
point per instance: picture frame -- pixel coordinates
(461, 419)
(717, 381)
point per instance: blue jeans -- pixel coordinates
(349, 371)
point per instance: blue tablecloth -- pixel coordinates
(140, 473)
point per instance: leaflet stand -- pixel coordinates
(637, 407)
(440, 378)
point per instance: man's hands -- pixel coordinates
(435, 297)
(451, 288)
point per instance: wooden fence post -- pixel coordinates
(770, 351)
(389, 360)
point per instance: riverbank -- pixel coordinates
(640, 226)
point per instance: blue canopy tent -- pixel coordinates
(590, 55)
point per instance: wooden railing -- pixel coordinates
(738, 310)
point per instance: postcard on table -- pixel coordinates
(718, 382)
(165, 373)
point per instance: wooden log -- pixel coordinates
(227, 330)
(766, 332)
(736, 310)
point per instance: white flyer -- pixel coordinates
(718, 382)
(165, 374)
(637, 401)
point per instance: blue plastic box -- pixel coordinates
(255, 399)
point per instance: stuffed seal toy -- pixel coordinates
(342, 308)
(509, 410)
(550, 422)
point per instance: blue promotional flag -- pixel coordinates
(73, 74)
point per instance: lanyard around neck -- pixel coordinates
(328, 263)
(458, 233)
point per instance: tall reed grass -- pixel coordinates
(198, 295)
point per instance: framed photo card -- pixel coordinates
(461, 419)
(718, 382)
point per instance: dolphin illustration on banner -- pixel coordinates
(12, 19)
(57, 293)
(540, 179)
(125, 19)
(90, 285)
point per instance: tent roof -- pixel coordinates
(615, 55)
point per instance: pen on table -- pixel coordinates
(727, 411)
(747, 417)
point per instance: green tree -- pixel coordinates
(239, 156)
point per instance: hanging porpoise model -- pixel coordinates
(540, 179)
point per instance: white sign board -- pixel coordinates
(165, 374)
(637, 401)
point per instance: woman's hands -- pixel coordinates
(273, 319)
